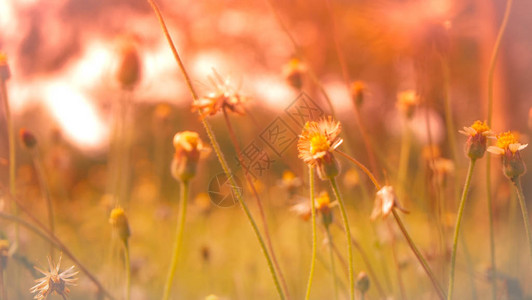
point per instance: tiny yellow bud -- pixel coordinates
(118, 220)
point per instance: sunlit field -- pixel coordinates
(235, 150)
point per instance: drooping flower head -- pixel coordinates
(323, 206)
(385, 201)
(53, 282)
(189, 148)
(222, 96)
(477, 136)
(509, 148)
(316, 144)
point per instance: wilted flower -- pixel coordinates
(302, 209)
(407, 102)
(118, 220)
(477, 138)
(54, 282)
(293, 73)
(385, 201)
(223, 96)
(188, 150)
(316, 143)
(509, 148)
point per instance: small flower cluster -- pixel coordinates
(507, 146)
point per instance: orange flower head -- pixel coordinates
(509, 148)
(477, 136)
(189, 148)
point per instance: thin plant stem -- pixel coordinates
(524, 211)
(491, 78)
(345, 74)
(12, 154)
(417, 253)
(404, 155)
(258, 200)
(218, 152)
(314, 233)
(457, 228)
(299, 52)
(45, 234)
(345, 220)
(333, 268)
(396, 262)
(362, 167)
(367, 264)
(178, 240)
(128, 269)
(39, 168)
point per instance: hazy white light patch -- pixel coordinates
(7, 15)
(77, 117)
(160, 76)
(93, 67)
(206, 61)
(273, 90)
(339, 95)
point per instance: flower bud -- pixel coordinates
(293, 73)
(118, 220)
(129, 70)
(407, 102)
(188, 149)
(478, 134)
(362, 282)
(509, 148)
(28, 139)
(357, 92)
(5, 73)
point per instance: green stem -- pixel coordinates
(219, 154)
(333, 268)
(314, 234)
(12, 154)
(178, 240)
(258, 200)
(457, 228)
(345, 220)
(418, 255)
(524, 211)
(128, 269)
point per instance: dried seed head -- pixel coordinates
(53, 282)
(118, 220)
(28, 139)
